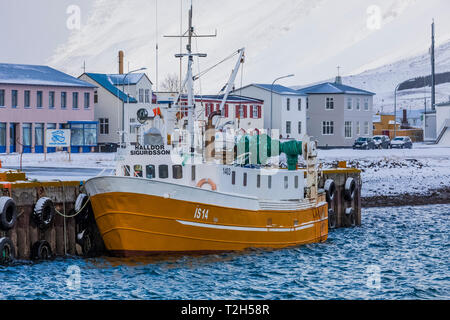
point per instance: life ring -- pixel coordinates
(330, 189)
(43, 213)
(350, 189)
(41, 250)
(202, 182)
(331, 219)
(7, 252)
(8, 213)
(350, 215)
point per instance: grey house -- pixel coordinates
(338, 114)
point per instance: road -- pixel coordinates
(45, 173)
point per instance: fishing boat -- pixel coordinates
(174, 192)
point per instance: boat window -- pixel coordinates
(193, 173)
(150, 171)
(296, 182)
(258, 181)
(269, 182)
(138, 171)
(163, 171)
(286, 182)
(233, 177)
(177, 172)
(126, 171)
(245, 179)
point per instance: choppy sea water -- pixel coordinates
(398, 253)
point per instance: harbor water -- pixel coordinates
(398, 253)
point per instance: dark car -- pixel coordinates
(382, 142)
(402, 143)
(364, 143)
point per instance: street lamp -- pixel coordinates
(395, 110)
(271, 97)
(123, 104)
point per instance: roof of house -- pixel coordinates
(443, 104)
(333, 88)
(131, 79)
(107, 82)
(276, 88)
(39, 76)
(231, 98)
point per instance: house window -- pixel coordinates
(307, 103)
(269, 182)
(299, 127)
(14, 95)
(141, 95)
(366, 104)
(163, 171)
(286, 182)
(233, 177)
(150, 172)
(104, 125)
(26, 131)
(245, 179)
(349, 104)
(258, 181)
(39, 99)
(255, 113)
(95, 96)
(328, 128)
(177, 172)
(63, 100)
(299, 104)
(330, 104)
(2, 98)
(358, 104)
(147, 95)
(288, 127)
(26, 99)
(51, 99)
(348, 129)
(288, 104)
(366, 127)
(358, 129)
(87, 100)
(75, 100)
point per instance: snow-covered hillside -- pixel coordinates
(307, 37)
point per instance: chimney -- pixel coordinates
(405, 124)
(338, 80)
(120, 62)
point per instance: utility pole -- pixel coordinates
(433, 78)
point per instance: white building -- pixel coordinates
(119, 94)
(285, 108)
(443, 123)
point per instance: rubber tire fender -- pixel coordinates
(350, 215)
(350, 189)
(330, 189)
(41, 250)
(331, 219)
(8, 213)
(7, 251)
(81, 201)
(43, 212)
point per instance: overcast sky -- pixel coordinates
(31, 30)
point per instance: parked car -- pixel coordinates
(382, 142)
(364, 143)
(402, 143)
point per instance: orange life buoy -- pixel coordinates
(207, 181)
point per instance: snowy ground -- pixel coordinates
(394, 171)
(384, 172)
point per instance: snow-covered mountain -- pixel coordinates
(309, 38)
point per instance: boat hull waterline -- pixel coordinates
(138, 217)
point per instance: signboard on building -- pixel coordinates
(57, 138)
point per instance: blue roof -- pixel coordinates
(131, 79)
(333, 88)
(106, 82)
(219, 97)
(39, 76)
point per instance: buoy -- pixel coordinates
(350, 189)
(8, 213)
(330, 189)
(202, 182)
(7, 252)
(43, 213)
(41, 250)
